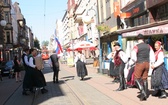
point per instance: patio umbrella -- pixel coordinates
(70, 48)
(84, 45)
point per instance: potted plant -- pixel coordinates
(103, 28)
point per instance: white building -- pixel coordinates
(58, 31)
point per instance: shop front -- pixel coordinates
(152, 33)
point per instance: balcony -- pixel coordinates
(79, 12)
(78, 18)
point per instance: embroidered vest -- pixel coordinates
(117, 59)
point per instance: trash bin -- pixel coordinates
(105, 69)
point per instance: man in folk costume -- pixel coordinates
(37, 75)
(27, 79)
(142, 54)
(113, 72)
(120, 59)
(160, 82)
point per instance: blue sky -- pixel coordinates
(43, 26)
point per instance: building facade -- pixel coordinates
(7, 39)
(109, 16)
(146, 17)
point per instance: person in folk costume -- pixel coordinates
(55, 65)
(160, 71)
(111, 68)
(37, 75)
(80, 66)
(142, 54)
(113, 72)
(120, 59)
(27, 77)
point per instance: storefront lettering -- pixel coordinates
(153, 31)
(136, 10)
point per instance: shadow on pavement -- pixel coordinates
(86, 78)
(67, 78)
(54, 90)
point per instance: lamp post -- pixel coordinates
(87, 19)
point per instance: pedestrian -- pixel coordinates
(55, 66)
(37, 75)
(17, 69)
(159, 78)
(142, 54)
(120, 59)
(27, 77)
(80, 66)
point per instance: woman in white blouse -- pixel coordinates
(159, 80)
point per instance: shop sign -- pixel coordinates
(137, 9)
(148, 31)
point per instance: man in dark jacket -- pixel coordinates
(26, 80)
(55, 64)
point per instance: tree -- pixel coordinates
(36, 43)
(45, 43)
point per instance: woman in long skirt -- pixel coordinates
(159, 80)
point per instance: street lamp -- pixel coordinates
(3, 23)
(87, 19)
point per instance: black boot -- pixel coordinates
(145, 83)
(53, 80)
(124, 83)
(57, 81)
(44, 90)
(157, 93)
(143, 95)
(163, 94)
(121, 87)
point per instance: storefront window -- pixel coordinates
(140, 20)
(162, 12)
(104, 49)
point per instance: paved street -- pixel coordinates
(95, 89)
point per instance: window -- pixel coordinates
(7, 17)
(6, 2)
(104, 48)
(162, 12)
(102, 13)
(8, 37)
(108, 9)
(140, 20)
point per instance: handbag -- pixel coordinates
(156, 77)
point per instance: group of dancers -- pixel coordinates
(142, 59)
